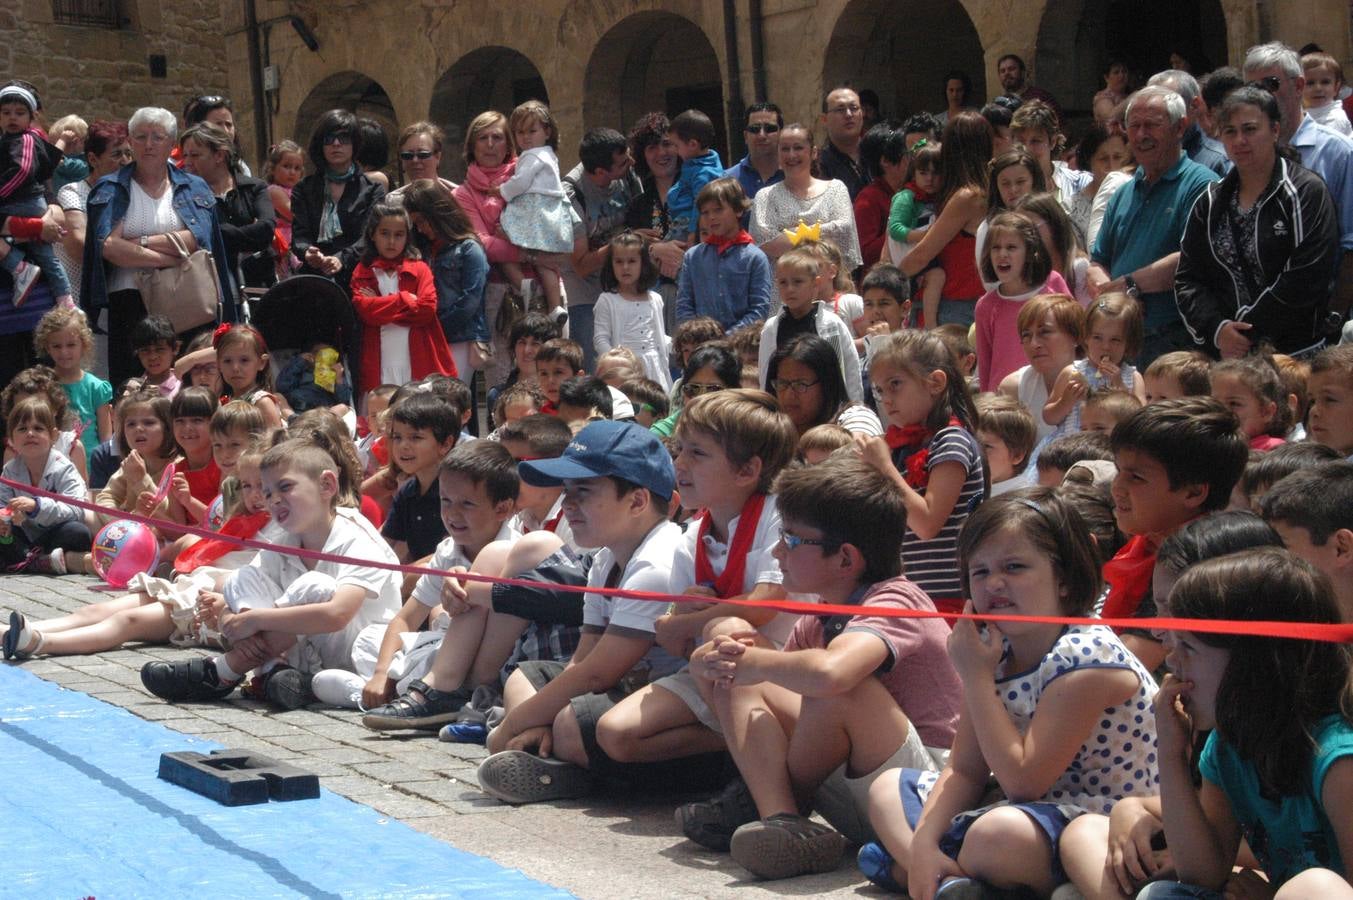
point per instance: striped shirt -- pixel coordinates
(933, 564)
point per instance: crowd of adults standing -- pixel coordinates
(1221, 205)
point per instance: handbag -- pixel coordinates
(188, 294)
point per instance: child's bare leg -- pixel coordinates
(1084, 851)
(150, 623)
(1006, 849)
(512, 271)
(456, 653)
(264, 647)
(547, 275)
(862, 728)
(654, 724)
(500, 636)
(93, 613)
(932, 286)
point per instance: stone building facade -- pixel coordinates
(110, 63)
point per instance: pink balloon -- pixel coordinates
(124, 548)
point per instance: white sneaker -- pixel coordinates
(24, 278)
(337, 687)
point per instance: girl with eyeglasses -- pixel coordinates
(331, 205)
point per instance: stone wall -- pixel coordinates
(100, 72)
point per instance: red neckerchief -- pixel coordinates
(836, 303)
(914, 472)
(916, 192)
(722, 244)
(549, 409)
(1129, 577)
(729, 584)
(553, 524)
(380, 450)
(381, 262)
(209, 550)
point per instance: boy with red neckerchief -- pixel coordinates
(733, 444)
(725, 276)
(1177, 460)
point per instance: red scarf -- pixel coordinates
(1129, 577)
(553, 525)
(729, 584)
(722, 244)
(209, 550)
(549, 409)
(914, 472)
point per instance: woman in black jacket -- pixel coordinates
(330, 206)
(1260, 251)
(243, 207)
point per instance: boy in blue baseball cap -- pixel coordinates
(618, 481)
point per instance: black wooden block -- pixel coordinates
(238, 777)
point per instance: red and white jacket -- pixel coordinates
(414, 307)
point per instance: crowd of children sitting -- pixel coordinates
(830, 453)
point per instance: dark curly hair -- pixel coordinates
(649, 130)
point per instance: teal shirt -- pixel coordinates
(1288, 834)
(1145, 222)
(86, 396)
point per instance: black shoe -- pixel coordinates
(406, 712)
(288, 688)
(711, 823)
(187, 679)
(786, 846)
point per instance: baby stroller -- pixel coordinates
(299, 312)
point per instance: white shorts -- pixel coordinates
(411, 661)
(844, 801)
(682, 683)
(251, 589)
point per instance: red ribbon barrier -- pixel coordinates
(1309, 631)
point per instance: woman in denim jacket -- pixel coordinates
(131, 214)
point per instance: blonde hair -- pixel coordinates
(803, 258)
(627, 360)
(60, 320)
(534, 110)
(238, 415)
(747, 424)
(321, 428)
(481, 122)
(829, 253)
(823, 439)
(70, 123)
(307, 457)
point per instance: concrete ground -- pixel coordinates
(605, 847)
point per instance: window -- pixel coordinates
(98, 13)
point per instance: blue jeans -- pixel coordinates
(41, 253)
(1176, 890)
(580, 327)
(957, 312)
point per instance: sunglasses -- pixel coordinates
(411, 155)
(793, 541)
(211, 100)
(338, 137)
(762, 128)
(695, 390)
(1269, 83)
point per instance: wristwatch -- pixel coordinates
(1130, 287)
(145, 242)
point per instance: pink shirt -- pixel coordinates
(998, 348)
(917, 672)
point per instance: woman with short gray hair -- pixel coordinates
(132, 214)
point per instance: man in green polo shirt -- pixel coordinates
(1138, 245)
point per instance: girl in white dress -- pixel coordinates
(629, 313)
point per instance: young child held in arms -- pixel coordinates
(911, 213)
(537, 217)
(27, 161)
(1177, 460)
(928, 452)
(618, 482)
(1277, 769)
(1014, 257)
(725, 275)
(1111, 335)
(693, 135)
(281, 606)
(1320, 98)
(848, 697)
(1041, 706)
(395, 297)
(799, 279)
(733, 444)
(629, 312)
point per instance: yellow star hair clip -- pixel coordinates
(804, 233)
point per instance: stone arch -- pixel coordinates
(1077, 39)
(346, 90)
(654, 61)
(486, 78)
(874, 45)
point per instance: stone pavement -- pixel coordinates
(600, 848)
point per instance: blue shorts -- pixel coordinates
(1051, 818)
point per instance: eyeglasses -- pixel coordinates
(1270, 83)
(411, 155)
(695, 390)
(798, 387)
(337, 137)
(793, 541)
(851, 110)
(762, 128)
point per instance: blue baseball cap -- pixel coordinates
(620, 449)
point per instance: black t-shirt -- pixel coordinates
(416, 519)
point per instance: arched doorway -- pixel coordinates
(654, 61)
(346, 90)
(488, 78)
(1078, 39)
(876, 44)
